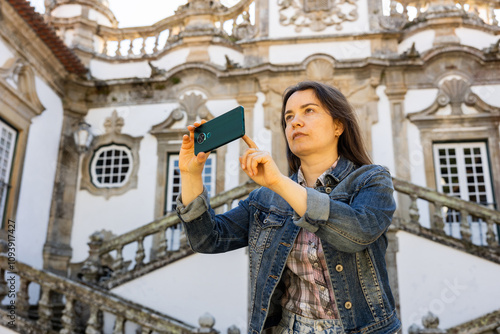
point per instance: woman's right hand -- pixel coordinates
(190, 164)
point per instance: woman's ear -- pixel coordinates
(339, 127)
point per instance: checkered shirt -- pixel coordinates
(309, 290)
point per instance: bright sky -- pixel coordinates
(133, 13)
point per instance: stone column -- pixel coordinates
(396, 91)
(247, 101)
(57, 251)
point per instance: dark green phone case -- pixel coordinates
(220, 131)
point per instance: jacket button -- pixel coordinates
(348, 305)
(328, 190)
(339, 268)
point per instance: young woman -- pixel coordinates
(317, 238)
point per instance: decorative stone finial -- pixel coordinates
(207, 322)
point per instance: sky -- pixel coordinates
(134, 13)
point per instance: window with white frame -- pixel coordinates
(8, 138)
(174, 189)
(174, 179)
(111, 166)
(462, 171)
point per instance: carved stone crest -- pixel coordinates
(317, 15)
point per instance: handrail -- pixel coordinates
(92, 269)
(97, 300)
(455, 203)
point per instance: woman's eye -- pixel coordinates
(309, 110)
(288, 118)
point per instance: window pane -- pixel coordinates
(112, 162)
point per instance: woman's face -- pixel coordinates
(310, 130)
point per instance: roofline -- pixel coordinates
(66, 57)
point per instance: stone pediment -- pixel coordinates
(21, 78)
(191, 106)
(456, 101)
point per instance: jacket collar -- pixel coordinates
(344, 168)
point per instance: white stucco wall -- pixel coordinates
(340, 50)
(134, 208)
(277, 30)
(423, 41)
(186, 289)
(172, 59)
(67, 11)
(5, 53)
(104, 70)
(217, 55)
(475, 38)
(454, 285)
(38, 176)
(382, 141)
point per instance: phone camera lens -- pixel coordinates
(201, 138)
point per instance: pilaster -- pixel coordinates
(247, 101)
(396, 91)
(57, 250)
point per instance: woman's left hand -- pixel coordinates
(259, 165)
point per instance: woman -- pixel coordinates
(317, 238)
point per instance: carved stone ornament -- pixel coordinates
(455, 93)
(317, 15)
(244, 30)
(21, 77)
(113, 136)
(192, 105)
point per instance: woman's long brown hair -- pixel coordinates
(350, 145)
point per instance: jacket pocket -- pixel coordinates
(262, 229)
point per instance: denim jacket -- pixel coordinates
(350, 214)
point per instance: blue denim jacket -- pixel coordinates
(350, 214)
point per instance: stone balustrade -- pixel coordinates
(92, 269)
(415, 9)
(440, 204)
(197, 18)
(66, 306)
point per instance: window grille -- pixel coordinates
(8, 138)
(174, 179)
(111, 166)
(462, 171)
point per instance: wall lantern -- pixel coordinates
(83, 137)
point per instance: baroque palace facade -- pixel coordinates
(92, 117)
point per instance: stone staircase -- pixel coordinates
(78, 304)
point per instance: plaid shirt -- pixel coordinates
(309, 291)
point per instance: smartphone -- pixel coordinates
(220, 131)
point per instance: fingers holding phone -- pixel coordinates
(188, 161)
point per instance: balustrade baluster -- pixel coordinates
(130, 51)
(93, 325)
(22, 302)
(414, 213)
(68, 317)
(145, 330)
(143, 48)
(493, 16)
(140, 255)
(118, 262)
(118, 50)
(438, 217)
(163, 243)
(119, 327)
(45, 308)
(105, 47)
(465, 228)
(4, 290)
(490, 234)
(157, 39)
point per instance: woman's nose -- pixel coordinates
(297, 121)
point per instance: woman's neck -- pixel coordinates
(313, 168)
